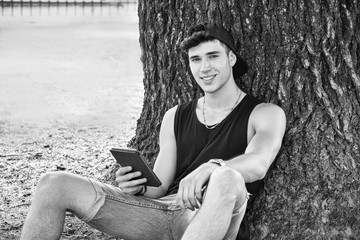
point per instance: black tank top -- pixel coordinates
(196, 144)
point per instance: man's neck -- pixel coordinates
(222, 99)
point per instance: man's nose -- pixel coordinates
(205, 65)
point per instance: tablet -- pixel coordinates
(133, 158)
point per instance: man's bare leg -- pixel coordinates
(222, 197)
(55, 194)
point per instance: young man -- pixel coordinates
(214, 153)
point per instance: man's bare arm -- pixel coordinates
(267, 123)
(165, 165)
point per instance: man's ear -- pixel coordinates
(233, 58)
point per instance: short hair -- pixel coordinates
(198, 37)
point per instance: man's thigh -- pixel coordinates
(131, 217)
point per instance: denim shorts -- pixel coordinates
(131, 217)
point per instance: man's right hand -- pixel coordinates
(124, 180)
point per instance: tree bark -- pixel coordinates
(305, 57)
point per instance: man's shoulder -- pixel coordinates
(265, 108)
(171, 112)
(187, 106)
(267, 113)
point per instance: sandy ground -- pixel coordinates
(70, 89)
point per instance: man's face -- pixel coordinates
(211, 65)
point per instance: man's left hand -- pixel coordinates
(190, 194)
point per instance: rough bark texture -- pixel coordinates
(305, 57)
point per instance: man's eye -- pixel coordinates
(213, 56)
(195, 60)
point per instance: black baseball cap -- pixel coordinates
(217, 31)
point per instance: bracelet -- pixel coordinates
(142, 191)
(217, 161)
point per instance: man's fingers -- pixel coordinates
(189, 197)
(123, 176)
(124, 179)
(199, 195)
(123, 170)
(131, 190)
(184, 198)
(192, 199)
(133, 183)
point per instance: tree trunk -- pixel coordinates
(305, 57)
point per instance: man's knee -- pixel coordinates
(229, 183)
(52, 180)
(61, 185)
(65, 189)
(51, 185)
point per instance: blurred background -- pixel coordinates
(70, 89)
(69, 63)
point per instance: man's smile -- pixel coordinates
(208, 78)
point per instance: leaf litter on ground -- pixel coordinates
(25, 156)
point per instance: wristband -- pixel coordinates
(142, 191)
(217, 161)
